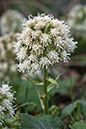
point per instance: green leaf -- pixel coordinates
(40, 98)
(65, 84)
(43, 122)
(20, 86)
(25, 104)
(52, 108)
(53, 82)
(78, 125)
(55, 112)
(83, 108)
(69, 109)
(34, 82)
(50, 87)
(58, 77)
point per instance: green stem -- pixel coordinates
(46, 110)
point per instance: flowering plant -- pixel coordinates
(11, 21)
(6, 104)
(77, 20)
(43, 42)
(7, 57)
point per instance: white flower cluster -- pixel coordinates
(7, 56)
(11, 21)
(6, 103)
(43, 42)
(77, 20)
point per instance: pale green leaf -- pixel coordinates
(53, 82)
(50, 87)
(52, 108)
(25, 104)
(65, 84)
(55, 112)
(83, 108)
(41, 101)
(34, 82)
(68, 109)
(58, 77)
(43, 122)
(78, 125)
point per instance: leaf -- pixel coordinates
(34, 82)
(41, 100)
(65, 84)
(20, 86)
(55, 112)
(53, 82)
(52, 108)
(68, 109)
(78, 125)
(25, 104)
(50, 87)
(83, 108)
(58, 77)
(43, 122)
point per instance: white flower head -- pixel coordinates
(6, 102)
(46, 41)
(8, 55)
(11, 21)
(77, 20)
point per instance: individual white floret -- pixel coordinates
(45, 39)
(33, 58)
(55, 32)
(45, 62)
(35, 67)
(40, 25)
(53, 56)
(24, 66)
(36, 34)
(22, 53)
(38, 49)
(65, 56)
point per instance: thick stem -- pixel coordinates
(45, 92)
